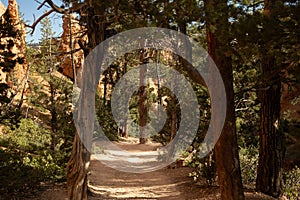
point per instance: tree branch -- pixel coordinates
(38, 20)
(55, 8)
(42, 4)
(60, 10)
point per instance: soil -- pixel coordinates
(106, 183)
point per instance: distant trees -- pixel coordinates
(50, 91)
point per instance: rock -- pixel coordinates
(13, 48)
(2, 75)
(78, 55)
(2, 9)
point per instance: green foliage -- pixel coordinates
(51, 93)
(105, 119)
(28, 136)
(248, 162)
(26, 158)
(38, 139)
(292, 184)
(11, 117)
(203, 168)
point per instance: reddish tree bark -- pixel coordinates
(142, 97)
(271, 141)
(226, 149)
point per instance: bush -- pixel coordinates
(291, 187)
(26, 158)
(249, 162)
(106, 120)
(203, 167)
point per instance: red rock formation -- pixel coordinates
(17, 36)
(2, 9)
(78, 55)
(2, 75)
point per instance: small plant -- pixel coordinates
(21, 155)
(249, 162)
(291, 187)
(27, 159)
(106, 120)
(203, 167)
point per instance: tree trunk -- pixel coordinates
(142, 99)
(77, 169)
(271, 148)
(78, 164)
(228, 165)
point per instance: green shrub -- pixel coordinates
(203, 167)
(291, 187)
(249, 162)
(27, 159)
(106, 120)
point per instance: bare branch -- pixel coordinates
(67, 52)
(58, 9)
(41, 4)
(55, 8)
(38, 20)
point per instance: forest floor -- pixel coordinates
(164, 184)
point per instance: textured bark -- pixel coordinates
(228, 165)
(272, 148)
(142, 99)
(80, 158)
(77, 169)
(226, 149)
(271, 152)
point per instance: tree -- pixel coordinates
(228, 166)
(93, 17)
(271, 151)
(48, 62)
(143, 97)
(78, 164)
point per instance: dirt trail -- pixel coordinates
(106, 183)
(165, 183)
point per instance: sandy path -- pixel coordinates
(163, 184)
(109, 183)
(106, 183)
